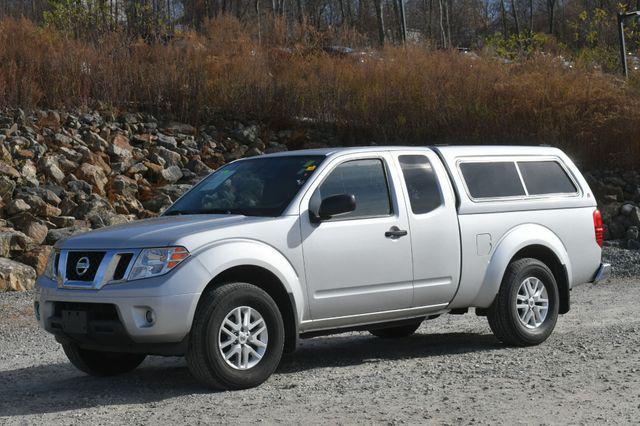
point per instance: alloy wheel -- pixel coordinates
(243, 338)
(532, 302)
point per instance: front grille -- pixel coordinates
(121, 267)
(76, 269)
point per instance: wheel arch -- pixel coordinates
(269, 282)
(549, 258)
(534, 241)
(263, 266)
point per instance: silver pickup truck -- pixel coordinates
(270, 249)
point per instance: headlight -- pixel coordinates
(157, 261)
(50, 270)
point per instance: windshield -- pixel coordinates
(255, 187)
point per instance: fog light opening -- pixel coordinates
(150, 317)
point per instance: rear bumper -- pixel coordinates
(604, 272)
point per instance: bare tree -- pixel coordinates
(428, 10)
(403, 22)
(530, 16)
(380, 18)
(516, 22)
(300, 12)
(551, 5)
(442, 32)
(503, 15)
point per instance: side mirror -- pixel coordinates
(334, 205)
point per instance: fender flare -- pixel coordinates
(511, 243)
(223, 255)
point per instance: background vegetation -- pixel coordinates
(538, 73)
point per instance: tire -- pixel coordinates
(396, 332)
(205, 357)
(99, 363)
(513, 304)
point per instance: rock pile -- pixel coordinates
(618, 195)
(63, 173)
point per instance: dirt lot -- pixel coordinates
(453, 371)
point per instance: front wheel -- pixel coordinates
(237, 337)
(100, 363)
(525, 310)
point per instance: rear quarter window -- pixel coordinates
(546, 177)
(492, 179)
(421, 182)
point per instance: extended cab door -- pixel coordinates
(433, 224)
(359, 262)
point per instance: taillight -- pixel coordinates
(597, 226)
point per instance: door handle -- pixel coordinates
(395, 232)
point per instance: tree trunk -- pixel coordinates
(447, 10)
(403, 22)
(257, 8)
(442, 33)
(515, 17)
(550, 12)
(300, 12)
(430, 23)
(503, 12)
(380, 18)
(361, 13)
(396, 13)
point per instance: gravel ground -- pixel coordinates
(452, 371)
(626, 262)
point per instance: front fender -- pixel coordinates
(225, 254)
(511, 243)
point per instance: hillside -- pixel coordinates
(398, 95)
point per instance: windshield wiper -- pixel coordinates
(176, 212)
(225, 211)
(215, 211)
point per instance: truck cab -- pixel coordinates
(270, 249)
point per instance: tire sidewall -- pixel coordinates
(541, 272)
(261, 302)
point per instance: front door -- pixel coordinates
(353, 263)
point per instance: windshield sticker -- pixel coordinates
(308, 166)
(306, 171)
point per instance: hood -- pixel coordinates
(155, 232)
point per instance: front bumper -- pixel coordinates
(604, 272)
(172, 300)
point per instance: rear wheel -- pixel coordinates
(525, 310)
(237, 337)
(396, 332)
(99, 363)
